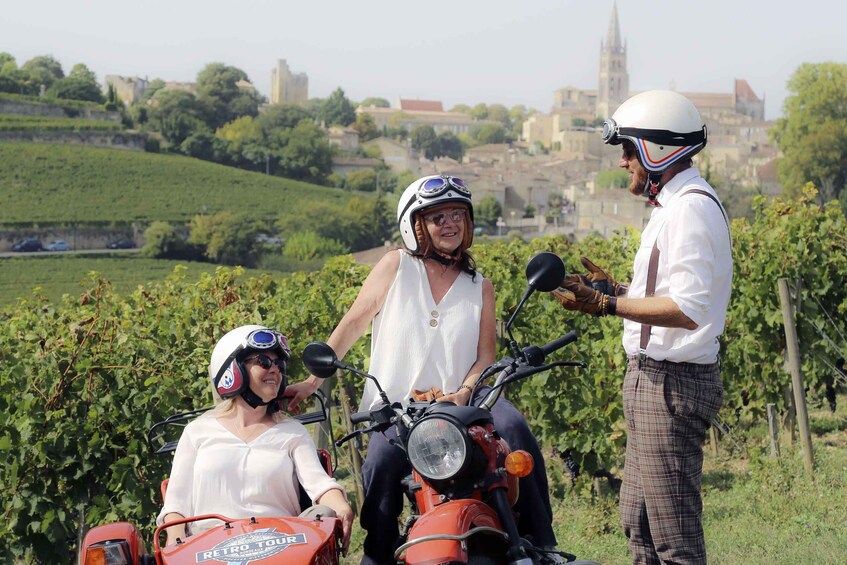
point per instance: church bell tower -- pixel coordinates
(613, 87)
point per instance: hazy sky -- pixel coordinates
(494, 51)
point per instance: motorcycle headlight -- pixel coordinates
(438, 448)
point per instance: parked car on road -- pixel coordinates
(57, 245)
(29, 244)
(122, 243)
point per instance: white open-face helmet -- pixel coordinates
(226, 368)
(664, 126)
(425, 193)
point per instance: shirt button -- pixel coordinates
(433, 323)
(435, 313)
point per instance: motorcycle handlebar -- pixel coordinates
(359, 417)
(559, 343)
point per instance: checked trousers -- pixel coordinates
(668, 407)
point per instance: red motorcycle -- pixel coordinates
(465, 477)
(265, 541)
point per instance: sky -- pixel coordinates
(458, 52)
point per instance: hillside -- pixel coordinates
(45, 183)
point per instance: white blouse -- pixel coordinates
(215, 472)
(418, 344)
(695, 271)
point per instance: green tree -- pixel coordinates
(302, 152)
(219, 91)
(449, 145)
(241, 135)
(487, 212)
(366, 126)
(424, 139)
(375, 102)
(403, 180)
(153, 87)
(461, 108)
(499, 113)
(43, 70)
(488, 133)
(337, 109)
(226, 238)
(362, 181)
(812, 135)
(80, 84)
(176, 114)
(479, 112)
(162, 241)
(281, 117)
(308, 245)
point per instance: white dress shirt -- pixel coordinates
(695, 271)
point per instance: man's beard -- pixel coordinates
(637, 182)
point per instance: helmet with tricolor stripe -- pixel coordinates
(664, 126)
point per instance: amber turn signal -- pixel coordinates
(519, 463)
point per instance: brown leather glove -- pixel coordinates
(433, 393)
(574, 295)
(599, 280)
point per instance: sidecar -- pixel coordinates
(266, 540)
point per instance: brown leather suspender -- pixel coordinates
(653, 269)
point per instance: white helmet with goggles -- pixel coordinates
(425, 193)
(664, 126)
(226, 368)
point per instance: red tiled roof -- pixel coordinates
(421, 105)
(743, 90)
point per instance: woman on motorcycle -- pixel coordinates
(245, 458)
(433, 320)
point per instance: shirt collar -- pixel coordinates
(673, 186)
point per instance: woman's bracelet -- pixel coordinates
(466, 386)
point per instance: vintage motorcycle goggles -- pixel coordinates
(268, 339)
(266, 362)
(613, 134)
(435, 187)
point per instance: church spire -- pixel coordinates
(613, 36)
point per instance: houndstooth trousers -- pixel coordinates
(667, 407)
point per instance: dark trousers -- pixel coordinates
(668, 407)
(386, 465)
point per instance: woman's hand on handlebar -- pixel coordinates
(298, 392)
(460, 398)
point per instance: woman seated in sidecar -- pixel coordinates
(245, 457)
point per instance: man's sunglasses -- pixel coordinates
(266, 362)
(456, 215)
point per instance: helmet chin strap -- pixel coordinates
(443, 258)
(652, 187)
(254, 401)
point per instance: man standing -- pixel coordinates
(673, 311)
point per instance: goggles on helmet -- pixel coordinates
(613, 134)
(435, 187)
(267, 339)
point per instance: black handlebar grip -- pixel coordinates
(559, 343)
(359, 417)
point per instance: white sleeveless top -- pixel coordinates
(416, 344)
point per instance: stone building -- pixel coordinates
(129, 89)
(413, 113)
(288, 87)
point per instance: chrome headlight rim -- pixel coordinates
(418, 437)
